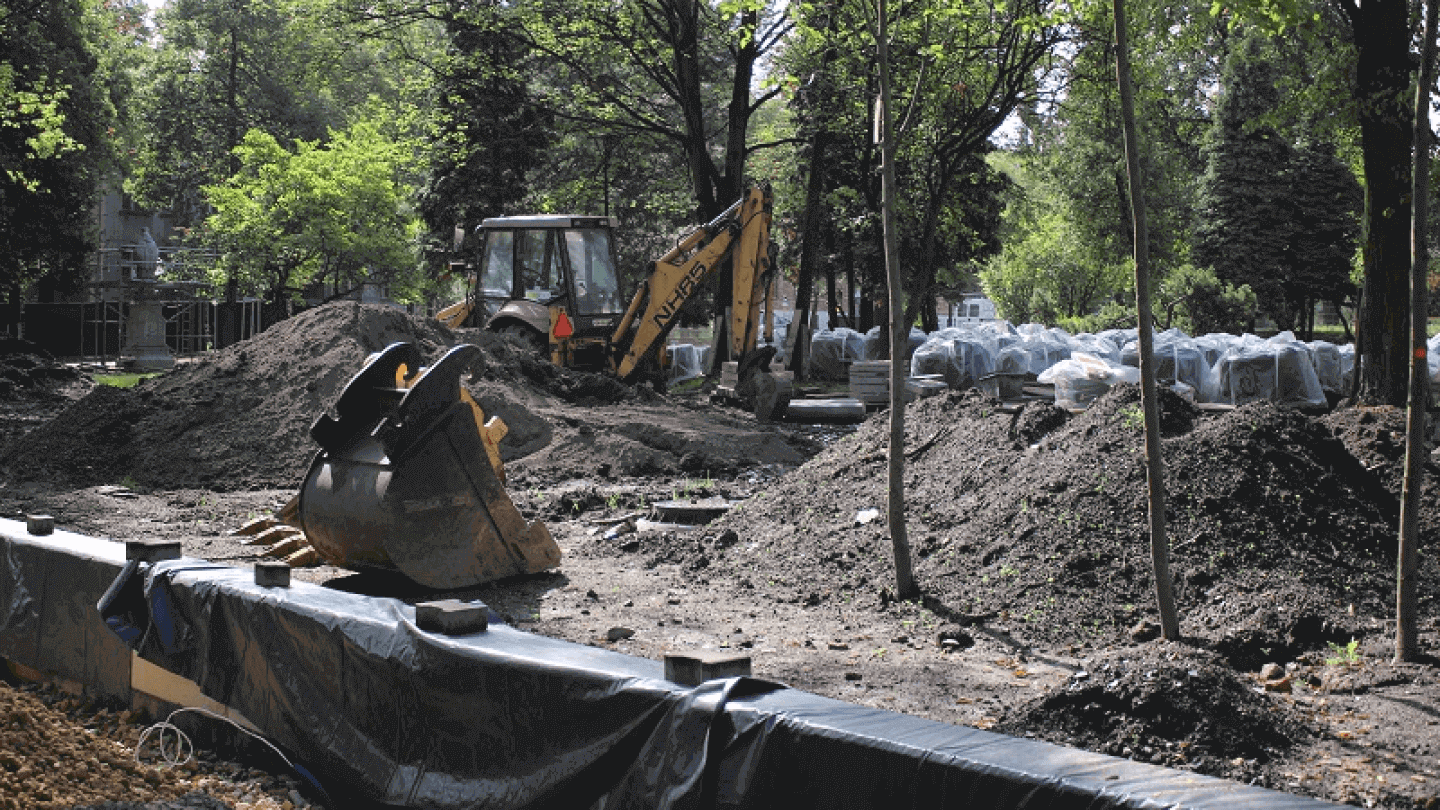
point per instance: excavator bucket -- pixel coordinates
(404, 481)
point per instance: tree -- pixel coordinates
(486, 134)
(1407, 608)
(1154, 466)
(286, 67)
(1381, 36)
(1277, 217)
(333, 211)
(1048, 270)
(1070, 148)
(1197, 302)
(1244, 228)
(59, 92)
(905, 585)
(1325, 203)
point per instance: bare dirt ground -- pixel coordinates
(1029, 530)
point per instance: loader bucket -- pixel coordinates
(403, 480)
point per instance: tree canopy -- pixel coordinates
(334, 211)
(1258, 123)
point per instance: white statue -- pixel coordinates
(148, 255)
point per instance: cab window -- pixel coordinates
(596, 288)
(539, 264)
(497, 276)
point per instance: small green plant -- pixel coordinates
(1132, 417)
(1347, 655)
(613, 502)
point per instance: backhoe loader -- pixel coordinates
(551, 281)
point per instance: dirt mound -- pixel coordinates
(32, 386)
(239, 419)
(28, 371)
(1169, 705)
(1034, 524)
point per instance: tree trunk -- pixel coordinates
(810, 235)
(1407, 646)
(905, 586)
(1382, 71)
(1155, 469)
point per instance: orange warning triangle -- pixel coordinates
(563, 327)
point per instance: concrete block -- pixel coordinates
(152, 550)
(695, 668)
(925, 387)
(272, 574)
(40, 524)
(452, 617)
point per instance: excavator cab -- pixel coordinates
(532, 268)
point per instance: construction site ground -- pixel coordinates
(1028, 528)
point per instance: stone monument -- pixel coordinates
(145, 324)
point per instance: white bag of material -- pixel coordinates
(931, 358)
(1215, 344)
(684, 362)
(877, 345)
(1014, 359)
(1096, 346)
(1121, 337)
(827, 356)
(1326, 357)
(960, 361)
(1280, 371)
(1177, 358)
(1045, 349)
(852, 343)
(1082, 377)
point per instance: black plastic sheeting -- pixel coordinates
(505, 719)
(48, 588)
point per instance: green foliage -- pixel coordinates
(1050, 270)
(60, 86)
(1197, 302)
(333, 212)
(291, 68)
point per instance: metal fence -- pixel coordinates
(96, 331)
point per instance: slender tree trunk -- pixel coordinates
(905, 586)
(1155, 469)
(1407, 646)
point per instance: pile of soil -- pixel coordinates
(32, 384)
(239, 419)
(1170, 705)
(1034, 523)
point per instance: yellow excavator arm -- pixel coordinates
(741, 232)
